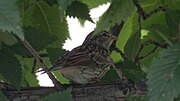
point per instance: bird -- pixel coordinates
(88, 62)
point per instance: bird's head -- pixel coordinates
(105, 39)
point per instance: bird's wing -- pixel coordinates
(76, 57)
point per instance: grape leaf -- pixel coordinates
(10, 18)
(57, 96)
(118, 11)
(79, 10)
(163, 77)
(10, 68)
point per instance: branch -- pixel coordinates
(40, 62)
(145, 15)
(114, 91)
(146, 43)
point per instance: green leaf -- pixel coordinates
(125, 33)
(10, 68)
(163, 77)
(38, 39)
(131, 70)
(61, 78)
(59, 96)
(7, 38)
(55, 53)
(95, 3)
(65, 3)
(79, 10)
(173, 20)
(118, 11)
(110, 76)
(10, 18)
(132, 98)
(29, 77)
(148, 60)
(115, 56)
(132, 46)
(158, 18)
(47, 19)
(161, 31)
(174, 4)
(2, 97)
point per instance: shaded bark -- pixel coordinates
(115, 91)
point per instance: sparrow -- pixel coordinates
(88, 62)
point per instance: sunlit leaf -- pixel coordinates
(118, 11)
(28, 73)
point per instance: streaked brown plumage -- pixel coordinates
(88, 62)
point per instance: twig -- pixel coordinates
(115, 30)
(40, 62)
(41, 55)
(139, 58)
(34, 65)
(146, 43)
(145, 15)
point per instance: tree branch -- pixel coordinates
(145, 15)
(114, 91)
(40, 62)
(146, 43)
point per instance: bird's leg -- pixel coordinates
(118, 70)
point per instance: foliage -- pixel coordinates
(142, 44)
(2, 97)
(63, 96)
(164, 75)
